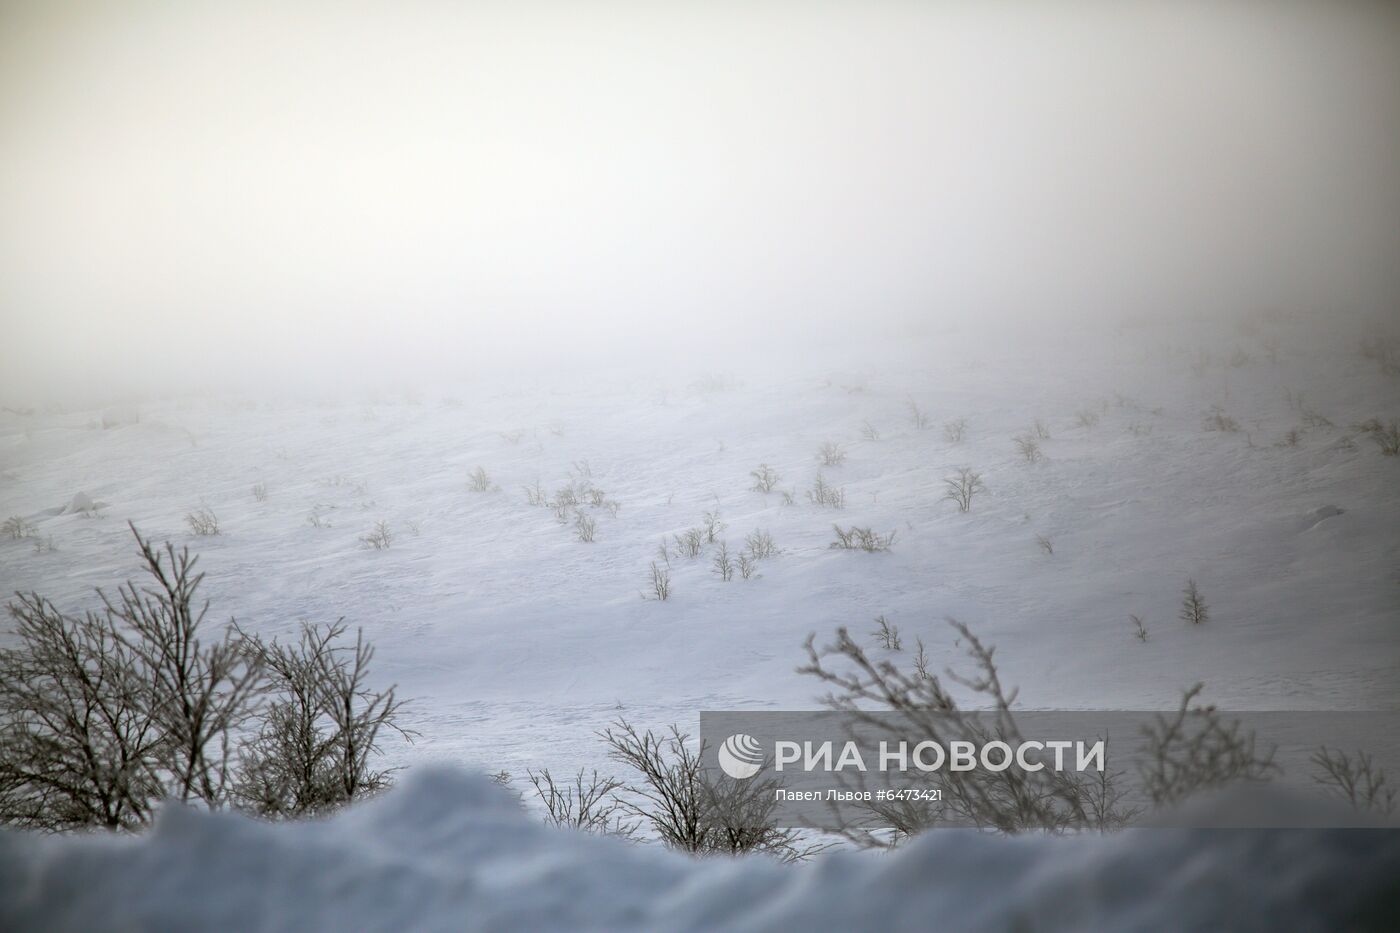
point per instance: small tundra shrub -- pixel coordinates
(759, 545)
(824, 494)
(831, 454)
(260, 491)
(1388, 439)
(585, 527)
(479, 480)
(917, 416)
(954, 431)
(1045, 544)
(1217, 420)
(723, 564)
(203, 522)
(1193, 605)
(660, 582)
(379, 537)
(1086, 418)
(861, 539)
(1029, 448)
(16, 528)
(887, 635)
(765, 478)
(962, 488)
(869, 432)
(690, 543)
(1139, 630)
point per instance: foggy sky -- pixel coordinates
(273, 192)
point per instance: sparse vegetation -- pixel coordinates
(479, 480)
(765, 478)
(824, 494)
(955, 430)
(1045, 544)
(831, 454)
(1355, 779)
(585, 527)
(203, 522)
(963, 487)
(660, 581)
(917, 417)
(104, 715)
(886, 635)
(1139, 630)
(861, 539)
(687, 808)
(1086, 418)
(1196, 749)
(16, 528)
(1029, 448)
(759, 545)
(379, 537)
(722, 564)
(260, 491)
(1193, 605)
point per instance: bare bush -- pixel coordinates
(535, 495)
(963, 487)
(869, 432)
(1195, 749)
(16, 528)
(917, 417)
(831, 454)
(765, 478)
(104, 714)
(1139, 630)
(748, 565)
(722, 563)
(1217, 420)
(585, 527)
(824, 494)
(1041, 431)
(1045, 544)
(319, 734)
(1193, 605)
(588, 804)
(203, 522)
(954, 431)
(1086, 418)
(317, 517)
(1383, 350)
(690, 543)
(479, 480)
(689, 809)
(1388, 439)
(260, 491)
(886, 635)
(43, 545)
(1010, 800)
(1355, 779)
(759, 545)
(861, 539)
(712, 526)
(379, 537)
(660, 582)
(1029, 448)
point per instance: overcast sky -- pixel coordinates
(291, 188)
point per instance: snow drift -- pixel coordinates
(446, 851)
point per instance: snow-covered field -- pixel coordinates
(515, 641)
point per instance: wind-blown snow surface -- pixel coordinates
(449, 852)
(515, 642)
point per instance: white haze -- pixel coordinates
(280, 195)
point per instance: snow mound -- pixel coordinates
(446, 851)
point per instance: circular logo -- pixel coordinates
(741, 756)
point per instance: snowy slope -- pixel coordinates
(448, 852)
(515, 641)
